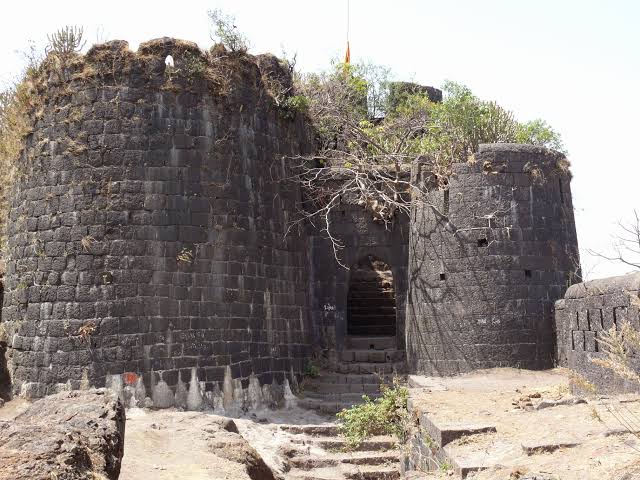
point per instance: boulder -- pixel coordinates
(72, 435)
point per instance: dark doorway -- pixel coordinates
(371, 301)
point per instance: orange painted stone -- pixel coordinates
(130, 378)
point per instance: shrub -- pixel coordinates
(538, 132)
(225, 32)
(294, 104)
(621, 344)
(386, 415)
(311, 370)
(66, 41)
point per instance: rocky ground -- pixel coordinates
(75, 435)
(514, 424)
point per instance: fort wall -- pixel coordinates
(149, 246)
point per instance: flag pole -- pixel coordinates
(347, 56)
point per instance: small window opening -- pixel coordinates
(596, 346)
(169, 61)
(482, 242)
(527, 273)
(443, 276)
(372, 347)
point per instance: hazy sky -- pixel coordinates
(574, 63)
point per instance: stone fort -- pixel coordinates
(148, 248)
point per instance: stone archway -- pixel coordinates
(371, 301)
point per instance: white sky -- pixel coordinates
(574, 63)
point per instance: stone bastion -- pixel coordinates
(146, 240)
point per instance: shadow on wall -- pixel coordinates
(5, 379)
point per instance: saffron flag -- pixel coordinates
(347, 56)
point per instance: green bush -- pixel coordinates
(311, 370)
(386, 415)
(538, 132)
(294, 104)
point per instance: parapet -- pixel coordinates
(586, 313)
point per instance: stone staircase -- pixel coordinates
(358, 370)
(371, 300)
(318, 453)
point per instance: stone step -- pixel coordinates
(370, 325)
(371, 329)
(373, 444)
(371, 291)
(372, 356)
(354, 473)
(308, 462)
(371, 343)
(323, 429)
(322, 406)
(375, 473)
(378, 302)
(334, 388)
(371, 368)
(445, 433)
(352, 378)
(318, 474)
(348, 398)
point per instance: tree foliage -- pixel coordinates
(225, 31)
(370, 132)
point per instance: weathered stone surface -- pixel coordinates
(539, 476)
(548, 403)
(547, 446)
(234, 447)
(68, 436)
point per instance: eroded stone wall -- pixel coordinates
(582, 317)
(146, 243)
(487, 259)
